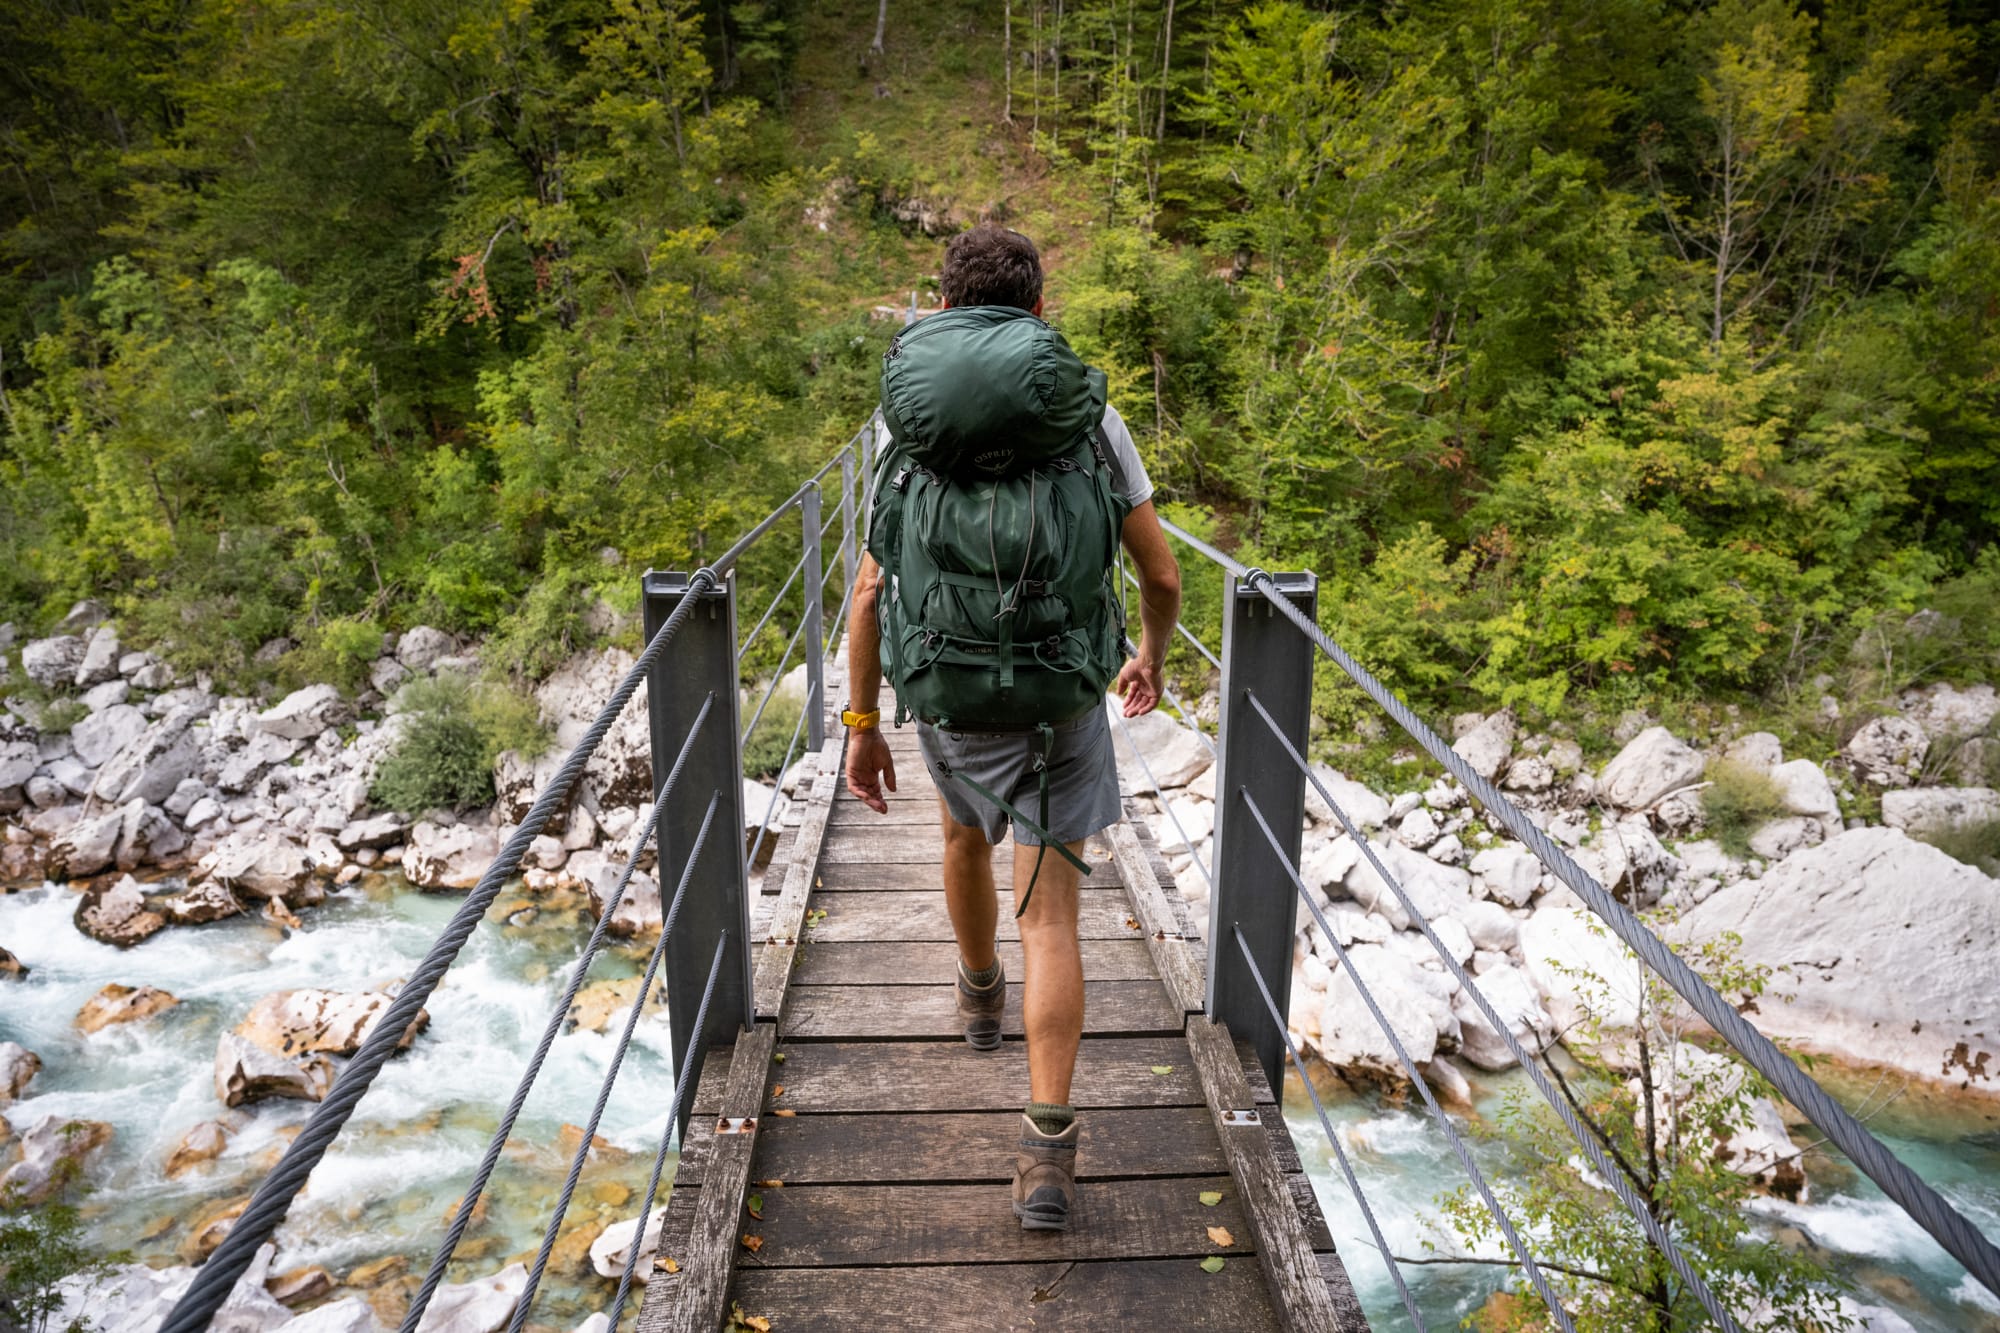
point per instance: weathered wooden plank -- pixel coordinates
(1298, 1291)
(849, 845)
(773, 957)
(711, 1082)
(1151, 1218)
(1102, 914)
(1347, 1312)
(951, 1076)
(1164, 925)
(967, 1147)
(825, 963)
(852, 1013)
(693, 1300)
(1167, 1294)
(852, 877)
(903, 813)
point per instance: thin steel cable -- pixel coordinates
(1923, 1204)
(1167, 693)
(777, 792)
(1236, 567)
(727, 560)
(833, 635)
(1183, 630)
(1332, 1139)
(217, 1278)
(1464, 1154)
(558, 1016)
(772, 609)
(777, 679)
(696, 1050)
(1165, 805)
(1599, 1159)
(541, 1264)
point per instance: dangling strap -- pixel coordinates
(1039, 829)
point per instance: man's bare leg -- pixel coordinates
(1052, 1002)
(968, 891)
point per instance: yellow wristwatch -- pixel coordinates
(860, 721)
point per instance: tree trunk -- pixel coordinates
(881, 26)
(1166, 68)
(1007, 55)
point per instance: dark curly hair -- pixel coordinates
(991, 265)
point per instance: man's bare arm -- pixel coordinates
(869, 766)
(1141, 680)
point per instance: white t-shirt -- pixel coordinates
(1138, 486)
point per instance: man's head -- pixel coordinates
(992, 265)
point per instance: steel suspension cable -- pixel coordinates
(1165, 805)
(777, 679)
(558, 1016)
(1464, 1154)
(1332, 1139)
(777, 792)
(772, 609)
(1187, 717)
(217, 1278)
(540, 1266)
(1182, 629)
(1235, 567)
(690, 1062)
(1924, 1205)
(1606, 1168)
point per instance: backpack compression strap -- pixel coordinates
(1039, 829)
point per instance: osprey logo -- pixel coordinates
(995, 461)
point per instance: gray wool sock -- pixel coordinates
(981, 979)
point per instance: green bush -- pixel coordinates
(445, 756)
(545, 630)
(1738, 801)
(39, 1248)
(1978, 845)
(61, 714)
(764, 752)
(338, 652)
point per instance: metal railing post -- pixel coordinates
(703, 663)
(1264, 655)
(814, 624)
(850, 527)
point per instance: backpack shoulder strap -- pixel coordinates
(1107, 457)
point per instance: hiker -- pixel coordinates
(1000, 508)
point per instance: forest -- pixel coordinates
(1592, 351)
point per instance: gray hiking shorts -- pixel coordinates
(1083, 777)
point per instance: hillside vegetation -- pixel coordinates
(1591, 350)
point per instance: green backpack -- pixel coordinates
(997, 518)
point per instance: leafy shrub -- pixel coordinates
(338, 652)
(211, 610)
(1978, 845)
(1737, 802)
(38, 1249)
(545, 630)
(60, 715)
(456, 728)
(764, 752)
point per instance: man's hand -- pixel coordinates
(1139, 685)
(870, 768)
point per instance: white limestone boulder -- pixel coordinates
(118, 914)
(306, 1022)
(483, 1306)
(1486, 747)
(1367, 809)
(420, 647)
(100, 659)
(1174, 753)
(1889, 751)
(1926, 811)
(1626, 858)
(149, 769)
(51, 663)
(1581, 970)
(1351, 1039)
(447, 857)
(87, 846)
(1887, 947)
(18, 1067)
(258, 863)
(620, 772)
(245, 1072)
(1435, 890)
(104, 733)
(304, 714)
(1516, 1003)
(614, 1244)
(53, 1151)
(1489, 925)
(1803, 786)
(1652, 764)
(1508, 873)
(639, 909)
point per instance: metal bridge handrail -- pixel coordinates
(1235, 567)
(1458, 1148)
(1603, 1164)
(216, 1278)
(1923, 1204)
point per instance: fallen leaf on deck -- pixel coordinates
(1131, 923)
(1221, 1236)
(784, 1113)
(758, 1322)
(752, 1243)
(666, 1264)
(1210, 1198)
(777, 1089)
(756, 1206)
(1212, 1264)
(772, 1184)
(1163, 1069)
(779, 1058)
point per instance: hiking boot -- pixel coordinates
(1045, 1178)
(979, 1009)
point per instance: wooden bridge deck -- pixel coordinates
(894, 1139)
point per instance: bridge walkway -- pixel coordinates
(877, 1191)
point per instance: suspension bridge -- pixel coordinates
(815, 1041)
